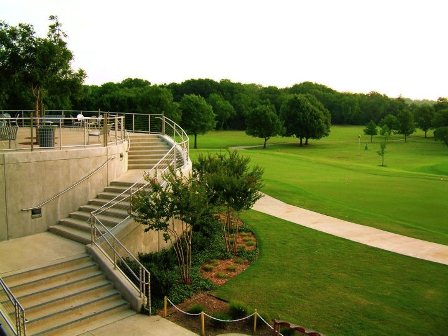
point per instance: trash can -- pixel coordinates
(45, 136)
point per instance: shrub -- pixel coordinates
(231, 268)
(214, 262)
(221, 316)
(287, 332)
(207, 268)
(195, 309)
(250, 243)
(237, 310)
(239, 260)
(221, 275)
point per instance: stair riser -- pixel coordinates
(20, 278)
(52, 281)
(58, 229)
(57, 292)
(101, 202)
(55, 306)
(119, 213)
(71, 317)
(85, 217)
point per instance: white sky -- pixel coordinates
(390, 46)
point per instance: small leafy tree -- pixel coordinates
(406, 125)
(263, 122)
(424, 115)
(391, 121)
(232, 186)
(382, 152)
(371, 130)
(161, 205)
(385, 131)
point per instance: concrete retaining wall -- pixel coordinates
(30, 178)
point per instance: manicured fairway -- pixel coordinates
(339, 287)
(339, 177)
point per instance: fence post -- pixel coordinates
(163, 125)
(255, 321)
(202, 324)
(165, 306)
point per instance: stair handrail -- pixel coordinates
(144, 277)
(19, 312)
(105, 233)
(70, 187)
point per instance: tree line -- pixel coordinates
(36, 73)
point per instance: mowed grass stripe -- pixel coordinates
(338, 177)
(339, 287)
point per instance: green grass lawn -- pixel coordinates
(338, 177)
(339, 287)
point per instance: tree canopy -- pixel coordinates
(197, 115)
(40, 64)
(263, 122)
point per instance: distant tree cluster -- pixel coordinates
(408, 118)
(36, 74)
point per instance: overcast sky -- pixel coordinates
(395, 47)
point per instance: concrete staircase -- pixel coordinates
(146, 150)
(76, 226)
(67, 297)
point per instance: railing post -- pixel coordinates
(255, 321)
(60, 134)
(116, 131)
(163, 125)
(165, 306)
(202, 324)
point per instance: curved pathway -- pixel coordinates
(359, 233)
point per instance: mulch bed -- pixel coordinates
(221, 272)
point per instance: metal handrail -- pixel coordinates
(70, 187)
(19, 313)
(105, 235)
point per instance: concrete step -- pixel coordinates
(114, 212)
(144, 166)
(106, 195)
(77, 224)
(38, 272)
(105, 219)
(71, 233)
(118, 189)
(102, 201)
(121, 183)
(69, 302)
(55, 280)
(147, 150)
(70, 288)
(55, 324)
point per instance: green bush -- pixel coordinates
(221, 316)
(231, 268)
(250, 243)
(221, 275)
(207, 268)
(239, 260)
(287, 332)
(237, 310)
(195, 309)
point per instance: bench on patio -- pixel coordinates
(8, 132)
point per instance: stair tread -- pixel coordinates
(89, 283)
(49, 273)
(69, 303)
(76, 315)
(71, 233)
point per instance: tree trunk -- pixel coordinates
(306, 141)
(264, 145)
(371, 138)
(195, 141)
(301, 143)
(425, 133)
(405, 138)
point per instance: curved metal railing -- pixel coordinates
(103, 237)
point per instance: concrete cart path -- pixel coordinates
(359, 233)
